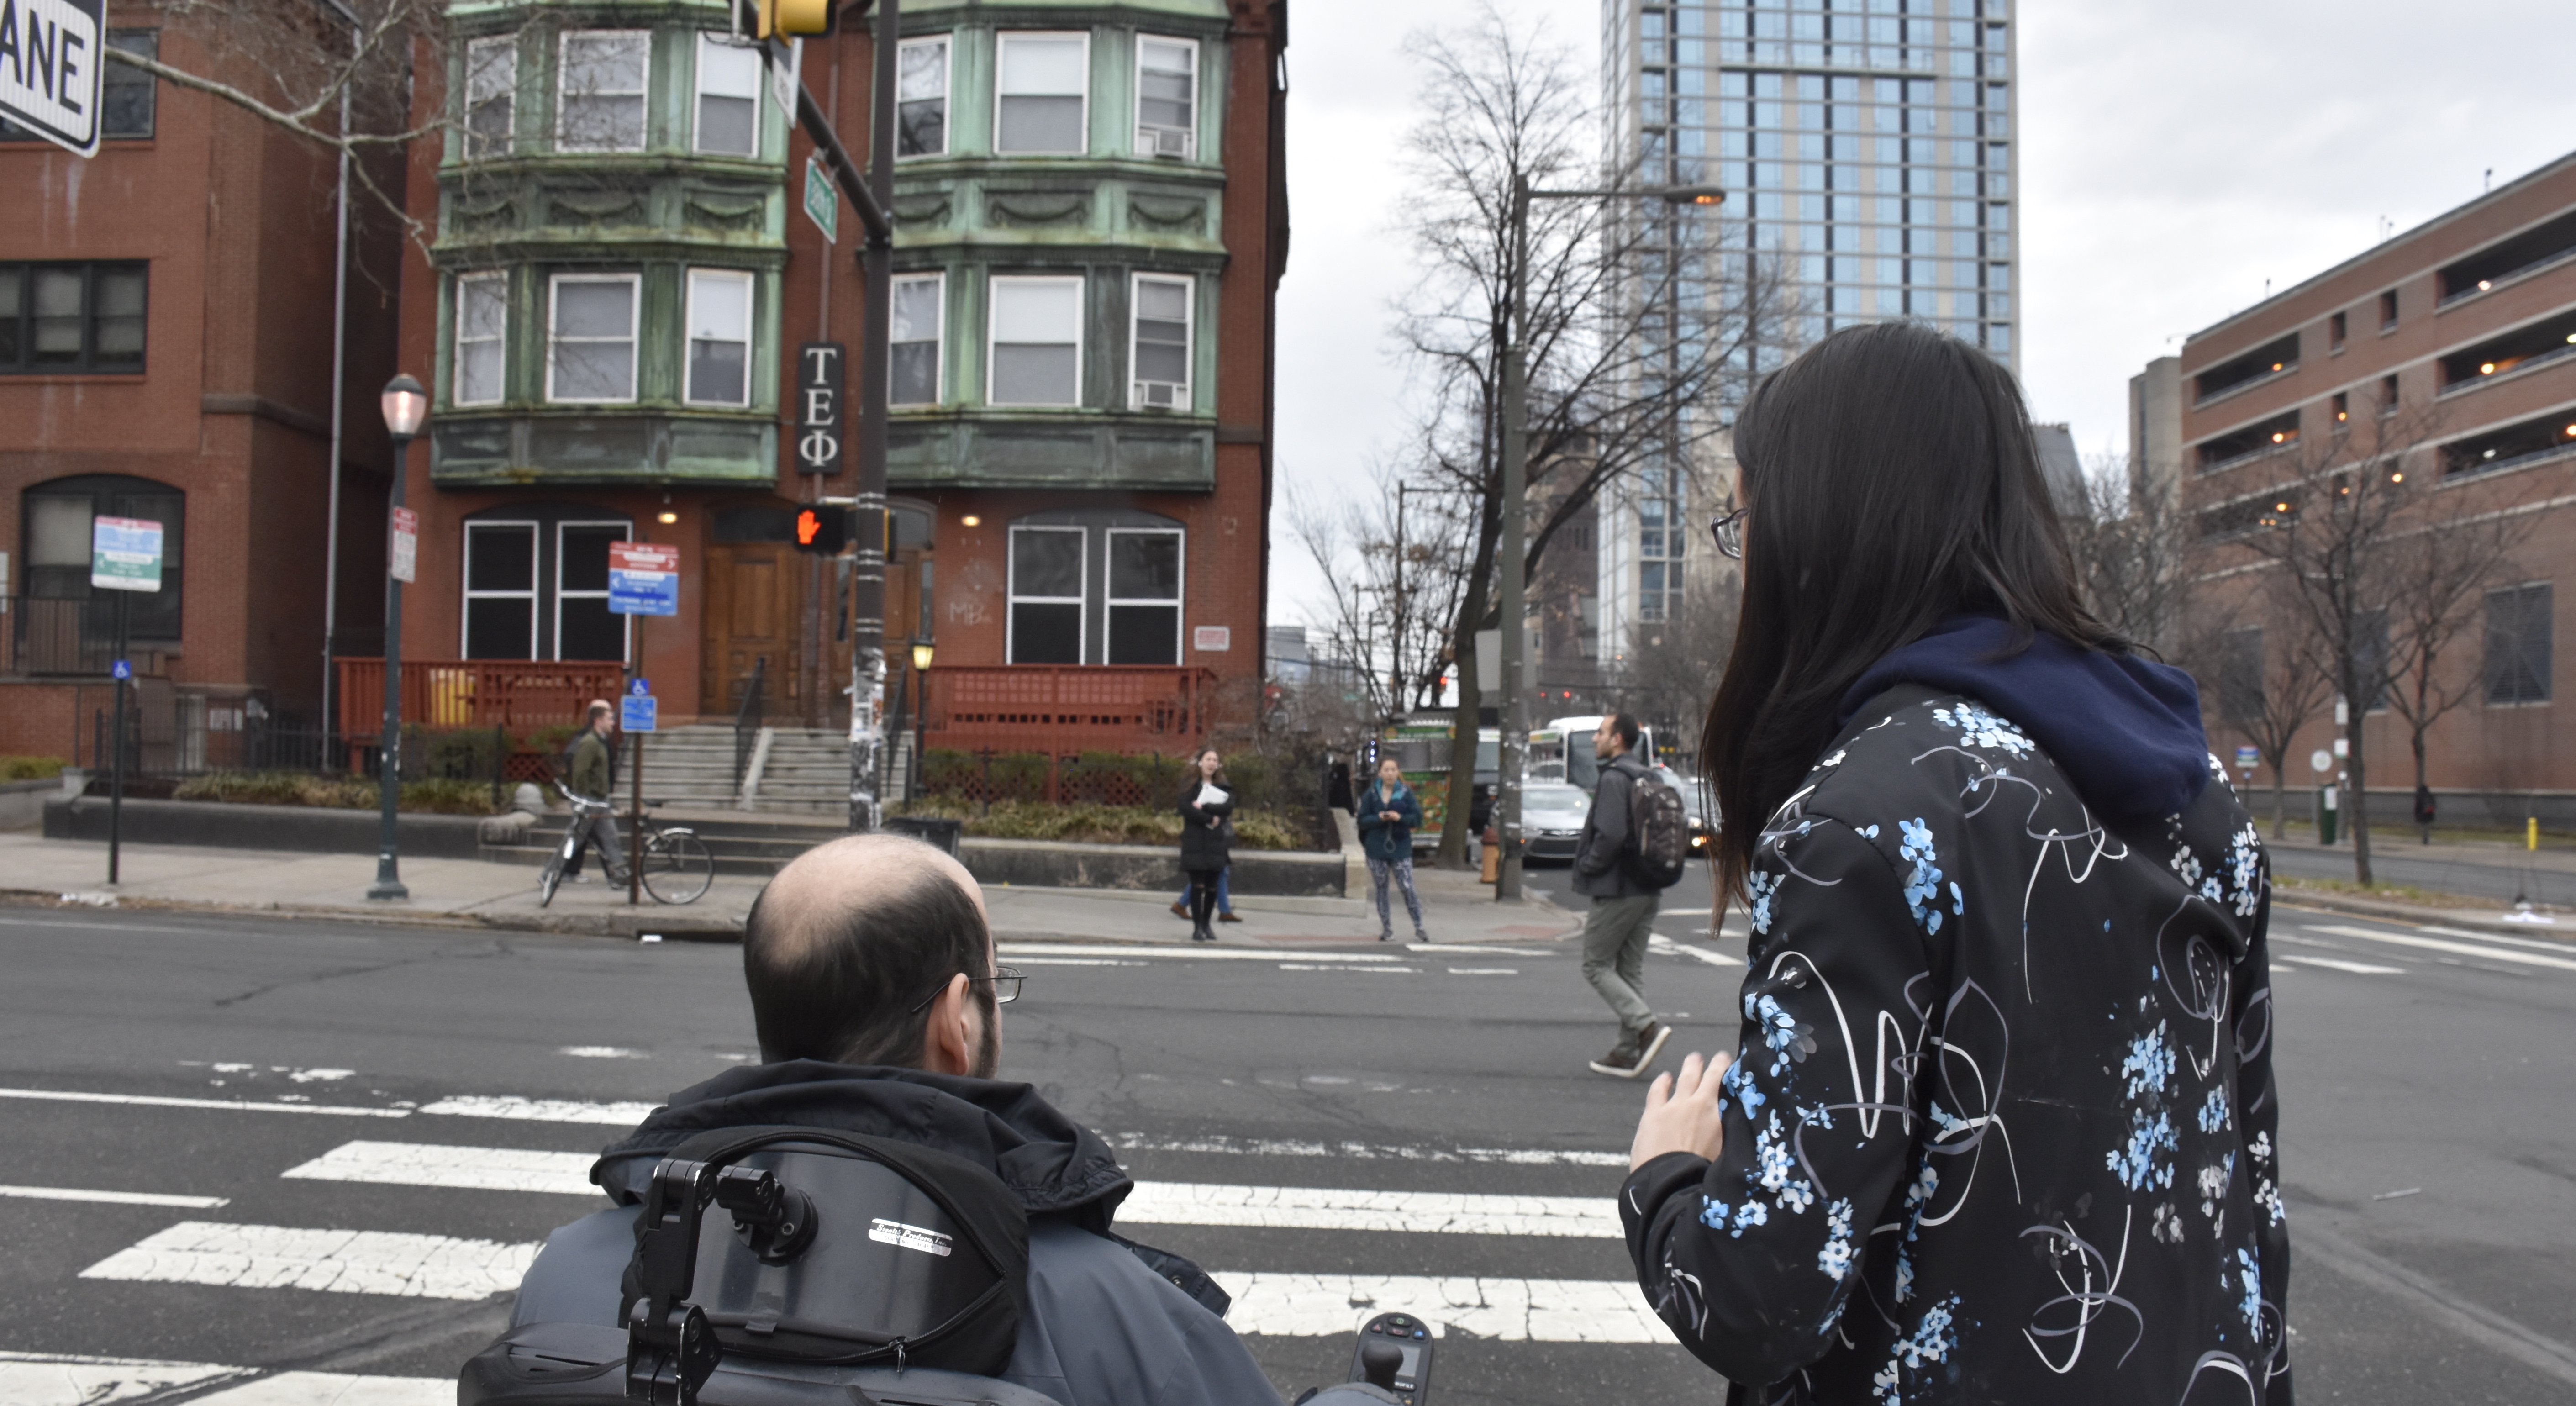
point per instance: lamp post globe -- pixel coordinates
(406, 407)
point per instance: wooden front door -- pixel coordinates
(755, 599)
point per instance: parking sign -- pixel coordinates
(51, 55)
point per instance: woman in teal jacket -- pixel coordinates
(1388, 814)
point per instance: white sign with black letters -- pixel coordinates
(51, 58)
(819, 380)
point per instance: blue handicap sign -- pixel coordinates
(121, 669)
(640, 687)
(636, 712)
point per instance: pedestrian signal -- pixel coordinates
(794, 17)
(823, 530)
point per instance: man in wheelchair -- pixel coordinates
(877, 1003)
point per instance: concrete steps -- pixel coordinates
(690, 767)
(806, 772)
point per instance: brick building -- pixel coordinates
(165, 353)
(2454, 343)
(1091, 225)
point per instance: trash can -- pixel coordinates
(2327, 828)
(929, 829)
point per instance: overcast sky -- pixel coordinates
(2175, 156)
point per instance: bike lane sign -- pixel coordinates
(51, 60)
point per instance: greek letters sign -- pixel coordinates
(643, 579)
(819, 421)
(50, 64)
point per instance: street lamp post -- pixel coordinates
(405, 406)
(921, 710)
(1515, 748)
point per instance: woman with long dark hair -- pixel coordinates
(1207, 836)
(2002, 1125)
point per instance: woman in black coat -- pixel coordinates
(1207, 838)
(2002, 1125)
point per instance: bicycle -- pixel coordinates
(676, 866)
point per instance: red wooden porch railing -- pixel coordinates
(1064, 709)
(475, 692)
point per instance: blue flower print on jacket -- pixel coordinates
(1923, 886)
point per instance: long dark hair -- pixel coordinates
(1891, 481)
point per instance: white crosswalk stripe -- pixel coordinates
(1504, 1310)
(331, 1261)
(34, 1379)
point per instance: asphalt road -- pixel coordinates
(2421, 1074)
(2393, 861)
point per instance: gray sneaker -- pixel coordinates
(1626, 1060)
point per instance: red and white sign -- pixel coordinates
(1212, 639)
(406, 549)
(643, 578)
(643, 556)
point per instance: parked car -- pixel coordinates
(1552, 819)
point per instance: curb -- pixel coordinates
(2388, 908)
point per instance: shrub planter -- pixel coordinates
(1061, 864)
(302, 829)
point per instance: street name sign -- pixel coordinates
(124, 552)
(643, 579)
(822, 200)
(820, 370)
(2248, 758)
(636, 712)
(405, 563)
(51, 58)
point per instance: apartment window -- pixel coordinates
(1036, 355)
(2335, 332)
(2388, 310)
(1042, 98)
(719, 337)
(1167, 85)
(920, 310)
(1159, 344)
(55, 520)
(728, 97)
(1046, 595)
(2342, 408)
(599, 104)
(590, 337)
(71, 317)
(1144, 596)
(2240, 677)
(125, 92)
(2388, 394)
(491, 95)
(482, 322)
(536, 585)
(921, 97)
(2518, 644)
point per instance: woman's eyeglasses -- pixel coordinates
(1005, 982)
(1729, 532)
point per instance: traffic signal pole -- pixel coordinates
(876, 386)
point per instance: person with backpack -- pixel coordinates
(1624, 900)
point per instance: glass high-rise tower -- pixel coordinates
(1866, 151)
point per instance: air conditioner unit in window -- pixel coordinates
(1161, 395)
(1167, 141)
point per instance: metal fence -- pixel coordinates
(160, 756)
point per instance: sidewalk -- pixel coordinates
(473, 893)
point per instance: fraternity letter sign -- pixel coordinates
(818, 406)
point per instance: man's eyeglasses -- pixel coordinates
(1729, 532)
(1005, 982)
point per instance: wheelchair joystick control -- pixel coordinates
(1378, 1361)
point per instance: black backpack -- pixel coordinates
(847, 1269)
(1658, 832)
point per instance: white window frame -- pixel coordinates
(500, 340)
(634, 333)
(1190, 149)
(1110, 601)
(475, 69)
(992, 323)
(938, 339)
(465, 616)
(626, 624)
(947, 91)
(1003, 39)
(563, 70)
(1189, 335)
(698, 95)
(689, 331)
(1011, 597)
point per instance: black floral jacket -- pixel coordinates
(2002, 1127)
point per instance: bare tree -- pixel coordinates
(2263, 688)
(1638, 332)
(2132, 550)
(1390, 590)
(2436, 591)
(1677, 662)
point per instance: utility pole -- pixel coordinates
(868, 513)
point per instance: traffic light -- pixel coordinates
(790, 18)
(822, 530)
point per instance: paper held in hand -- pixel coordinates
(1210, 795)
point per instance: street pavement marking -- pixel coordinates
(237, 1105)
(113, 1198)
(2436, 944)
(1657, 942)
(331, 1261)
(1191, 954)
(1407, 1212)
(1366, 1152)
(1337, 967)
(1484, 971)
(2338, 964)
(39, 1379)
(1499, 1310)
(1151, 1203)
(62, 1379)
(2536, 944)
(540, 1110)
(1076, 962)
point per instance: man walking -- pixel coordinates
(592, 780)
(1623, 909)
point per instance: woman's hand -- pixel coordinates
(1681, 1114)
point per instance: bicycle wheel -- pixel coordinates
(553, 875)
(677, 867)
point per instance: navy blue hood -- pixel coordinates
(2125, 730)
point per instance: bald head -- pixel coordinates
(851, 935)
